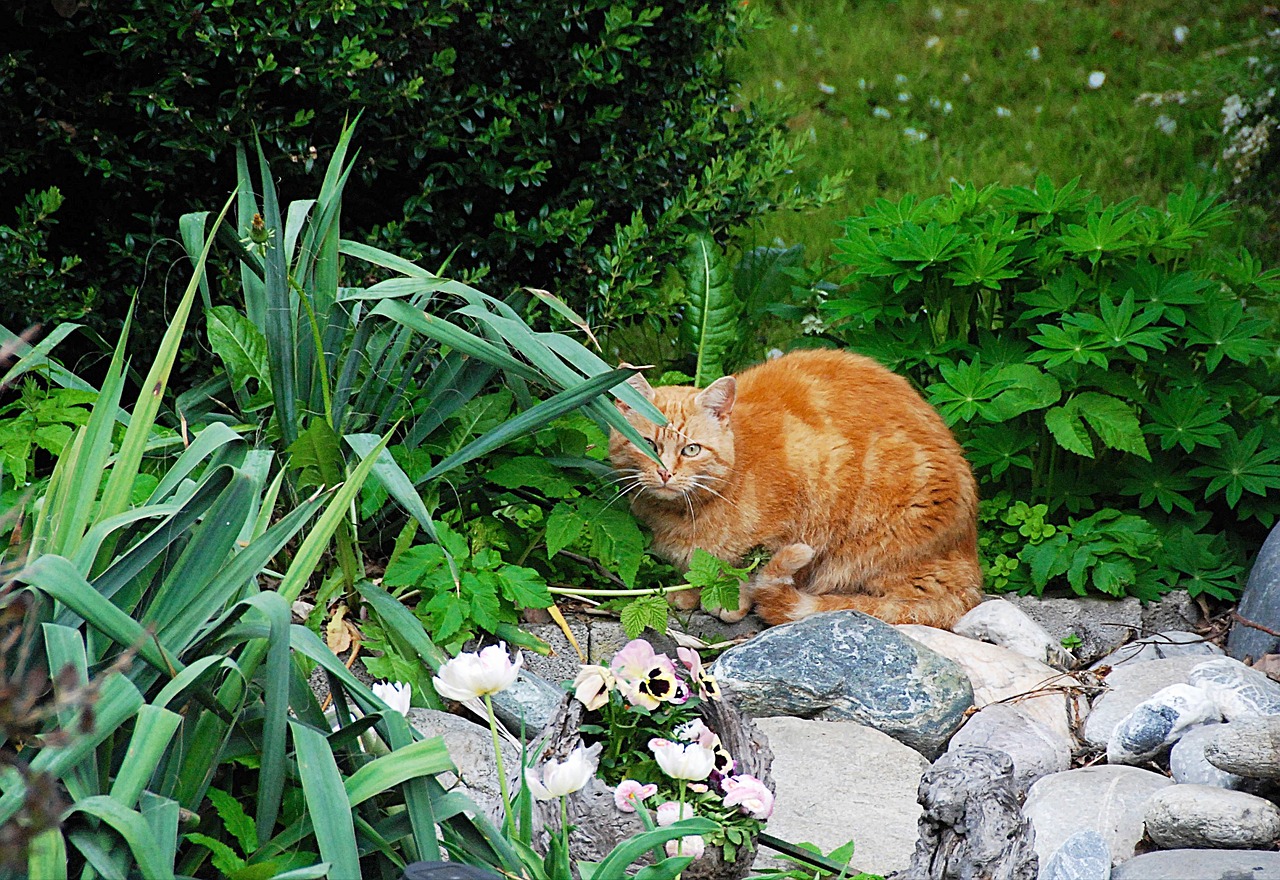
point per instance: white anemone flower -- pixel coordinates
(683, 761)
(469, 676)
(560, 778)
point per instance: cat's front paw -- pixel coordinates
(732, 616)
(685, 600)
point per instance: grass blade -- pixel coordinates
(147, 850)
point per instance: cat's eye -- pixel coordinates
(691, 450)
(653, 444)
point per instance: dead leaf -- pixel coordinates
(337, 632)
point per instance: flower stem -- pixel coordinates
(502, 770)
(654, 591)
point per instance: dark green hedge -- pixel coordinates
(567, 146)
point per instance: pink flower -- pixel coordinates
(693, 846)
(645, 678)
(748, 794)
(670, 813)
(629, 793)
(706, 684)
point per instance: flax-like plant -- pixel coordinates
(325, 362)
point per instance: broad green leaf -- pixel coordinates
(1113, 420)
(644, 612)
(317, 454)
(152, 733)
(240, 345)
(1030, 389)
(710, 322)
(528, 471)
(564, 526)
(422, 758)
(1067, 428)
(133, 828)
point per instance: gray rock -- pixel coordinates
(1158, 722)
(1207, 817)
(1102, 625)
(1247, 748)
(1036, 750)
(470, 747)
(1188, 764)
(1260, 604)
(1240, 692)
(527, 705)
(972, 826)
(608, 637)
(1108, 799)
(847, 666)
(563, 663)
(1082, 856)
(1000, 622)
(1171, 643)
(1201, 864)
(1127, 686)
(837, 781)
(1175, 610)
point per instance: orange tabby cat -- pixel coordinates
(833, 464)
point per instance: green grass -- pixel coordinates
(963, 77)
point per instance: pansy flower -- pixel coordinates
(705, 684)
(645, 678)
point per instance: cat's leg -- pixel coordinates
(778, 572)
(685, 600)
(934, 592)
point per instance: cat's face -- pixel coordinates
(695, 446)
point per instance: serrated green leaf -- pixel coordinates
(523, 587)
(1114, 422)
(240, 345)
(616, 540)
(1030, 389)
(528, 471)
(234, 819)
(644, 612)
(222, 856)
(564, 526)
(417, 566)
(1067, 428)
(317, 453)
(481, 590)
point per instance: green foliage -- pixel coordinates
(1099, 364)
(580, 163)
(39, 288)
(710, 321)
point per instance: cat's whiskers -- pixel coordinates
(697, 484)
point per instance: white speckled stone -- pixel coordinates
(1207, 817)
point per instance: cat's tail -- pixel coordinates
(930, 600)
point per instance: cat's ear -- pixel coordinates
(718, 397)
(639, 383)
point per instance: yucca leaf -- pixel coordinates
(710, 323)
(255, 293)
(115, 497)
(423, 758)
(161, 816)
(382, 258)
(65, 650)
(530, 420)
(147, 850)
(191, 230)
(47, 856)
(36, 356)
(152, 731)
(452, 335)
(323, 790)
(275, 693)
(401, 621)
(205, 442)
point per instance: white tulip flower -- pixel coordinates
(560, 778)
(469, 676)
(689, 761)
(395, 694)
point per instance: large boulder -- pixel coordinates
(848, 666)
(1207, 817)
(1037, 750)
(838, 781)
(1201, 864)
(1259, 604)
(1108, 799)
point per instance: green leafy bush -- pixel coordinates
(1098, 362)
(571, 147)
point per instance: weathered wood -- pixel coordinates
(972, 827)
(598, 825)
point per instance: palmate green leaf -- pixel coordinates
(1226, 333)
(966, 390)
(1188, 418)
(1103, 233)
(1158, 483)
(1045, 200)
(1242, 465)
(984, 263)
(644, 612)
(1120, 326)
(317, 455)
(999, 447)
(710, 323)
(418, 566)
(1067, 344)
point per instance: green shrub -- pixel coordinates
(566, 146)
(1097, 361)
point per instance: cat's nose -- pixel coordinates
(664, 474)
